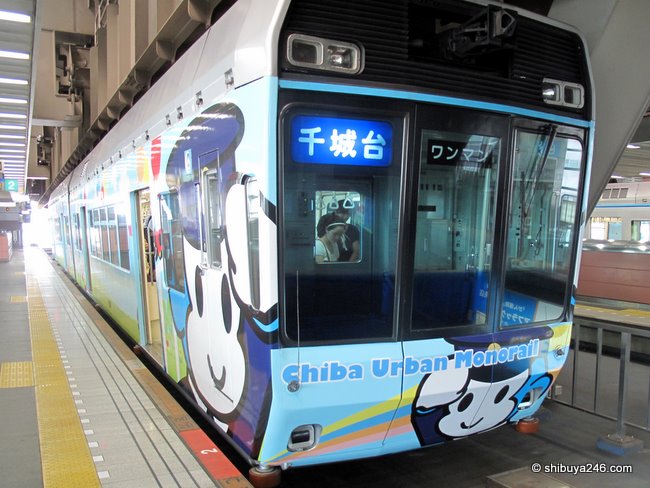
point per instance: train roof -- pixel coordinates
(240, 48)
(633, 192)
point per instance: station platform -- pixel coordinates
(78, 408)
(626, 313)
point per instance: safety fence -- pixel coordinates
(607, 373)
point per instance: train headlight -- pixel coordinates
(324, 54)
(563, 93)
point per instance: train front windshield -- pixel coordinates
(416, 221)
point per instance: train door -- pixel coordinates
(84, 247)
(341, 181)
(447, 265)
(67, 243)
(150, 305)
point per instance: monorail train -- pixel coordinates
(616, 254)
(622, 213)
(456, 136)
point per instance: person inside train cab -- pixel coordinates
(349, 244)
(326, 249)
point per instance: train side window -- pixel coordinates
(66, 229)
(214, 217)
(106, 252)
(76, 233)
(93, 229)
(337, 243)
(112, 234)
(172, 241)
(57, 229)
(641, 230)
(543, 220)
(348, 160)
(123, 239)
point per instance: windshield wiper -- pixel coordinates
(528, 192)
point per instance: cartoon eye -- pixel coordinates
(226, 307)
(501, 395)
(465, 402)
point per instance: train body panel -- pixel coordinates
(196, 224)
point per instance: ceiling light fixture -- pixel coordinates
(16, 101)
(12, 116)
(13, 55)
(15, 17)
(13, 81)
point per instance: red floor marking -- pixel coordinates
(217, 464)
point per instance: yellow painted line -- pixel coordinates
(633, 312)
(17, 299)
(65, 456)
(16, 374)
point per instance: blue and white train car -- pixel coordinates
(445, 143)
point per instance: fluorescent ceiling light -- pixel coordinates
(13, 55)
(15, 17)
(12, 81)
(12, 144)
(11, 136)
(11, 126)
(19, 151)
(632, 146)
(17, 101)
(12, 156)
(12, 116)
(644, 174)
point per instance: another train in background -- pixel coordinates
(622, 213)
(616, 252)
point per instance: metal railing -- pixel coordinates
(597, 345)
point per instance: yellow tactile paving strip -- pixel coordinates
(65, 456)
(17, 299)
(16, 375)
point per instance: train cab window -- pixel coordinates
(349, 162)
(455, 211)
(172, 241)
(542, 224)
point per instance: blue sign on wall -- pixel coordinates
(334, 140)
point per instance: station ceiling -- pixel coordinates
(16, 47)
(17, 28)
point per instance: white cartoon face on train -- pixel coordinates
(470, 405)
(216, 358)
